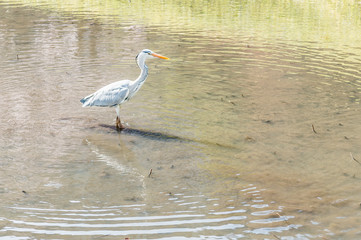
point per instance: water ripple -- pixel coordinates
(194, 215)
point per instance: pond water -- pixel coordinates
(251, 131)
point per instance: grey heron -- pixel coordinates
(117, 93)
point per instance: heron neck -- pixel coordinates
(143, 74)
(140, 80)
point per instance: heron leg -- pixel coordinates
(118, 123)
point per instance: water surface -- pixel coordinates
(251, 130)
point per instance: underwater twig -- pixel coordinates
(353, 158)
(313, 129)
(284, 219)
(150, 172)
(276, 236)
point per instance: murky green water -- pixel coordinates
(250, 130)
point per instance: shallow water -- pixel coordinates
(251, 129)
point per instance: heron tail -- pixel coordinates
(85, 101)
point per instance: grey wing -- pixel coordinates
(106, 97)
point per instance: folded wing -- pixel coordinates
(108, 96)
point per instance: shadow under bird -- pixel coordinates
(117, 93)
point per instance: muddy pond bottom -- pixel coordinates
(244, 133)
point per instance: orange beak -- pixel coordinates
(159, 56)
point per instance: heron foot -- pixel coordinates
(118, 124)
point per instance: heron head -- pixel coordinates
(148, 54)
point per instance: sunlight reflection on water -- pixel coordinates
(119, 220)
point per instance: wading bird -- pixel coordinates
(117, 93)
